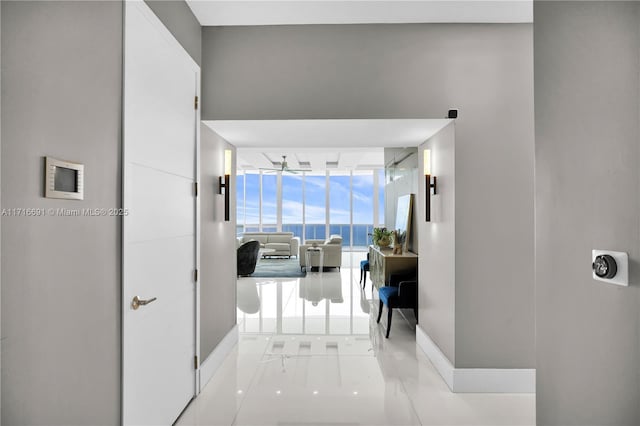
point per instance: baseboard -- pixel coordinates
(210, 365)
(494, 380)
(476, 380)
(435, 355)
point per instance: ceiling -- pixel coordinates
(322, 144)
(311, 159)
(304, 12)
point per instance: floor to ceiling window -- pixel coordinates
(240, 203)
(315, 216)
(293, 203)
(313, 205)
(251, 207)
(364, 207)
(340, 205)
(269, 202)
(381, 184)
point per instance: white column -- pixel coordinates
(376, 197)
(327, 213)
(351, 211)
(260, 203)
(279, 202)
(244, 201)
(304, 204)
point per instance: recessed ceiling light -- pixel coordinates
(315, 392)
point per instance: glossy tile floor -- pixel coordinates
(311, 353)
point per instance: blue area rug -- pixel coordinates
(278, 268)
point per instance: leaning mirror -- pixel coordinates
(403, 219)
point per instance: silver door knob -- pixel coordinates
(137, 302)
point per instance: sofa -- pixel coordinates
(332, 248)
(274, 243)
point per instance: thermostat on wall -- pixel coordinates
(63, 179)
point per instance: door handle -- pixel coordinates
(137, 302)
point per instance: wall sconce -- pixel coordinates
(431, 182)
(225, 182)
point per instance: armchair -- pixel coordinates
(247, 257)
(402, 292)
(332, 248)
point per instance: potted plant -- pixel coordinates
(381, 237)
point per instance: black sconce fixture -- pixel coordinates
(431, 182)
(225, 182)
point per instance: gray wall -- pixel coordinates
(217, 242)
(405, 181)
(61, 96)
(181, 22)
(409, 71)
(587, 57)
(1, 205)
(437, 273)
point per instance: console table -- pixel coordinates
(382, 263)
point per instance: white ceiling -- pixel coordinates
(312, 159)
(344, 144)
(304, 12)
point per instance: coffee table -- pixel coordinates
(265, 252)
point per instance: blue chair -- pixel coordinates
(402, 292)
(364, 267)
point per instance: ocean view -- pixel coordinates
(317, 231)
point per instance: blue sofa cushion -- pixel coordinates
(386, 293)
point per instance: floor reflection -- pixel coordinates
(330, 303)
(329, 363)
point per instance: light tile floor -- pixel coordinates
(311, 353)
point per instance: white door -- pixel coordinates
(159, 232)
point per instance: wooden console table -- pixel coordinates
(382, 263)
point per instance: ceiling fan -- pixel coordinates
(284, 167)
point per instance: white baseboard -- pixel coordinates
(495, 380)
(476, 380)
(435, 355)
(210, 365)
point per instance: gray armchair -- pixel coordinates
(332, 248)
